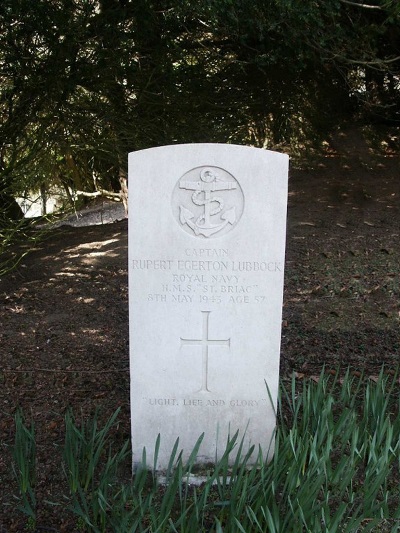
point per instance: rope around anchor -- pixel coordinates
(199, 202)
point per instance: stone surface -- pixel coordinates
(206, 260)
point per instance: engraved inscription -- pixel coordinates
(206, 281)
(207, 202)
(201, 402)
(206, 252)
(205, 342)
(207, 266)
(162, 401)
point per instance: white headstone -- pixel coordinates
(207, 225)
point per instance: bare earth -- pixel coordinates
(64, 311)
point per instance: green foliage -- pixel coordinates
(83, 83)
(84, 447)
(334, 469)
(91, 471)
(24, 466)
(17, 238)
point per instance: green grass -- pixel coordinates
(335, 469)
(24, 459)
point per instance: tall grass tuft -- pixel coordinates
(24, 466)
(17, 238)
(91, 468)
(335, 470)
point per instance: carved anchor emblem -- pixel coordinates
(206, 224)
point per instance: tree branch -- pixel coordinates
(364, 6)
(379, 62)
(108, 194)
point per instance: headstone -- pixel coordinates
(207, 225)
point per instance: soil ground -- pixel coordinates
(64, 310)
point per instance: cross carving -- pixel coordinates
(205, 342)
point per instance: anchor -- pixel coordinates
(202, 195)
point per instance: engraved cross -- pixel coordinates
(205, 342)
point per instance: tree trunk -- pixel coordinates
(9, 208)
(123, 179)
(43, 196)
